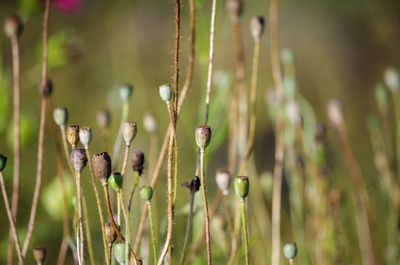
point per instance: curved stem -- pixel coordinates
(110, 213)
(135, 185)
(11, 219)
(153, 237)
(245, 230)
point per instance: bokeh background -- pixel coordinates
(341, 49)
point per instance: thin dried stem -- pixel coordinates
(79, 233)
(110, 213)
(125, 161)
(88, 232)
(152, 234)
(118, 140)
(188, 229)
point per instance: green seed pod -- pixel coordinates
(119, 252)
(78, 159)
(290, 251)
(13, 26)
(146, 192)
(150, 123)
(129, 132)
(73, 135)
(138, 161)
(104, 118)
(85, 136)
(166, 92)
(234, 9)
(60, 116)
(125, 92)
(257, 26)
(223, 179)
(115, 181)
(335, 112)
(3, 162)
(101, 164)
(109, 233)
(46, 88)
(39, 254)
(203, 136)
(242, 186)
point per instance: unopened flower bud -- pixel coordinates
(78, 159)
(146, 192)
(3, 162)
(39, 254)
(138, 161)
(223, 180)
(166, 92)
(234, 9)
(129, 132)
(257, 26)
(203, 136)
(125, 92)
(85, 136)
(60, 116)
(103, 119)
(13, 26)
(46, 88)
(392, 79)
(150, 123)
(115, 181)
(109, 233)
(101, 164)
(242, 186)
(335, 112)
(290, 251)
(73, 135)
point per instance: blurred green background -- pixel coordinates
(341, 49)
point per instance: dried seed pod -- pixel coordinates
(392, 79)
(242, 186)
(119, 251)
(150, 123)
(166, 92)
(39, 254)
(85, 136)
(138, 161)
(234, 9)
(146, 193)
(101, 164)
(73, 135)
(115, 181)
(290, 251)
(129, 132)
(125, 92)
(60, 116)
(13, 26)
(203, 136)
(223, 179)
(3, 162)
(335, 112)
(78, 159)
(46, 88)
(110, 233)
(257, 26)
(104, 118)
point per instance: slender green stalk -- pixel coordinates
(118, 140)
(188, 229)
(127, 226)
(118, 209)
(11, 219)
(152, 234)
(135, 185)
(245, 230)
(88, 233)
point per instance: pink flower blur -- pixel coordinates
(68, 5)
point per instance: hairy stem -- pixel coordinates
(79, 233)
(245, 230)
(152, 234)
(188, 230)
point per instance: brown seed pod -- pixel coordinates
(101, 163)
(73, 135)
(138, 161)
(129, 132)
(203, 136)
(110, 233)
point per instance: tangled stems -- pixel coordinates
(11, 219)
(245, 230)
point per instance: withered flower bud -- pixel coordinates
(46, 88)
(138, 161)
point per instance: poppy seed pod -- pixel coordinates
(119, 252)
(101, 164)
(3, 162)
(150, 123)
(203, 136)
(146, 193)
(46, 88)
(78, 159)
(242, 186)
(335, 112)
(13, 26)
(125, 92)
(85, 136)
(223, 180)
(138, 161)
(60, 116)
(290, 250)
(109, 233)
(392, 79)
(129, 132)
(39, 254)
(166, 92)
(257, 26)
(115, 181)
(103, 118)
(234, 9)
(73, 135)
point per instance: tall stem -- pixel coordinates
(245, 230)
(79, 235)
(125, 161)
(88, 232)
(118, 140)
(152, 234)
